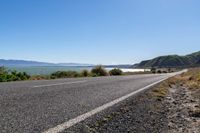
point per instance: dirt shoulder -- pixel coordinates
(170, 107)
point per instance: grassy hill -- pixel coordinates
(172, 61)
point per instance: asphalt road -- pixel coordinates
(36, 106)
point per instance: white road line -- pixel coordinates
(72, 122)
(65, 83)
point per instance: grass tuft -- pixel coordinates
(161, 91)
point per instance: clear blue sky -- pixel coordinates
(98, 31)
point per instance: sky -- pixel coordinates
(98, 31)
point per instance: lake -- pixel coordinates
(50, 69)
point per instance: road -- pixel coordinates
(36, 106)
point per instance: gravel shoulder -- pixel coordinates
(170, 107)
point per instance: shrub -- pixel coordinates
(99, 71)
(3, 70)
(164, 71)
(159, 71)
(115, 71)
(153, 70)
(85, 73)
(14, 76)
(3, 78)
(6, 76)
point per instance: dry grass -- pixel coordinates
(190, 79)
(193, 82)
(161, 91)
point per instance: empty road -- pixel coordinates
(37, 106)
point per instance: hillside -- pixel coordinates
(172, 61)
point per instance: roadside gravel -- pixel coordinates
(183, 106)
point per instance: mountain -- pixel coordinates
(23, 63)
(190, 60)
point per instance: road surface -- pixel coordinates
(37, 106)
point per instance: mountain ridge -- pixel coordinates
(190, 60)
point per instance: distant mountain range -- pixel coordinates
(23, 63)
(190, 60)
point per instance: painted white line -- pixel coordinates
(65, 83)
(82, 117)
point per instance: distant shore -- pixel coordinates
(131, 70)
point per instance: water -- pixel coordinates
(47, 70)
(50, 69)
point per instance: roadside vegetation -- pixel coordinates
(190, 79)
(64, 74)
(115, 72)
(163, 70)
(85, 73)
(97, 71)
(6, 76)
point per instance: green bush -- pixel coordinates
(3, 70)
(3, 78)
(115, 71)
(6, 76)
(99, 71)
